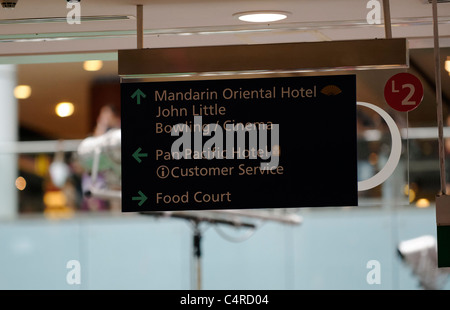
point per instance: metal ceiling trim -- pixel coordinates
(45, 20)
(228, 29)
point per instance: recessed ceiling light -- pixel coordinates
(447, 65)
(92, 65)
(261, 16)
(64, 109)
(422, 203)
(22, 91)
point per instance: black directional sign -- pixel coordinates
(239, 143)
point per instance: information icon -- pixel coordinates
(403, 92)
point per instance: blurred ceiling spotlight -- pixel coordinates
(447, 64)
(422, 203)
(64, 109)
(92, 65)
(421, 255)
(22, 91)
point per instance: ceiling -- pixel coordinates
(49, 52)
(169, 23)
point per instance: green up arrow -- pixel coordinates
(142, 198)
(137, 155)
(138, 93)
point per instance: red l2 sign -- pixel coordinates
(403, 92)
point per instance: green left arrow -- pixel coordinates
(137, 155)
(141, 198)
(138, 94)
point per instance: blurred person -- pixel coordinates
(107, 119)
(447, 158)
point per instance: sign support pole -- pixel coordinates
(197, 239)
(387, 19)
(440, 118)
(196, 220)
(140, 25)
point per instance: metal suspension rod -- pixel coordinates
(387, 19)
(140, 25)
(440, 118)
